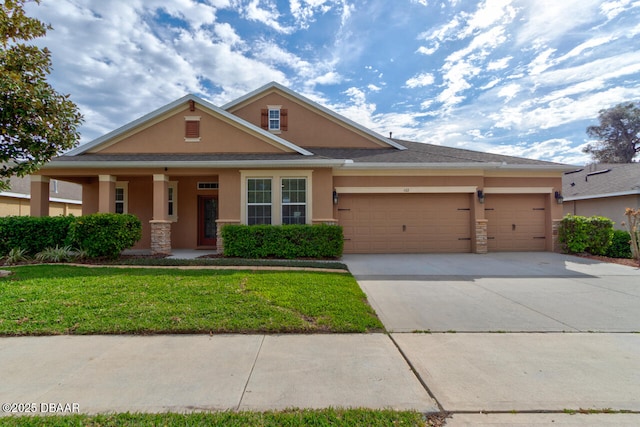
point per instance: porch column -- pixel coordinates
(106, 193)
(160, 224)
(39, 203)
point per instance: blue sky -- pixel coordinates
(517, 77)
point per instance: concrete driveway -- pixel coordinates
(533, 333)
(502, 292)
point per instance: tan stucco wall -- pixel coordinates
(16, 206)
(306, 128)
(610, 207)
(168, 136)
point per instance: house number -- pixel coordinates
(406, 190)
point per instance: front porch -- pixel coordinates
(179, 210)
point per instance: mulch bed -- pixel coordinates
(621, 261)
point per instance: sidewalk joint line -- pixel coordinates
(415, 372)
(246, 384)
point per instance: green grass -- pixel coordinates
(225, 262)
(323, 417)
(59, 299)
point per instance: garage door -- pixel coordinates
(516, 222)
(405, 223)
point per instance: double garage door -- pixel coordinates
(438, 223)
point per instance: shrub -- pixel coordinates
(15, 256)
(33, 234)
(57, 254)
(105, 235)
(620, 245)
(581, 234)
(283, 241)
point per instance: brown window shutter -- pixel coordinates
(264, 119)
(284, 119)
(192, 129)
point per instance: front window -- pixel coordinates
(274, 119)
(258, 201)
(172, 199)
(120, 200)
(294, 201)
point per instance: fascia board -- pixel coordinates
(175, 104)
(603, 196)
(483, 166)
(267, 164)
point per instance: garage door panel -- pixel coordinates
(516, 222)
(405, 223)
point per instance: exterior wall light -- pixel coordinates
(480, 196)
(335, 197)
(559, 198)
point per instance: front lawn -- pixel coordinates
(59, 299)
(292, 418)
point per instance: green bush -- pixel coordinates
(283, 241)
(105, 235)
(33, 234)
(620, 245)
(581, 234)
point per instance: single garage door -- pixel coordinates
(405, 223)
(516, 222)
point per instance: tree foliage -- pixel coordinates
(618, 134)
(36, 122)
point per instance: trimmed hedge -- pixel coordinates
(283, 241)
(105, 235)
(620, 245)
(33, 234)
(101, 235)
(586, 234)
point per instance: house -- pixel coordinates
(603, 190)
(276, 157)
(64, 198)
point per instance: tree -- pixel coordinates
(618, 135)
(36, 122)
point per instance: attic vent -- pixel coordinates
(207, 186)
(573, 171)
(586, 178)
(192, 129)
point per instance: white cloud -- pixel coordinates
(550, 19)
(499, 64)
(263, 11)
(509, 91)
(420, 80)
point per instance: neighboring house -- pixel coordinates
(602, 189)
(65, 198)
(276, 157)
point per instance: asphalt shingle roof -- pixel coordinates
(601, 179)
(416, 152)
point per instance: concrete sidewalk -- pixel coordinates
(184, 373)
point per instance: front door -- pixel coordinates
(207, 216)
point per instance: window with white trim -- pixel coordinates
(121, 197)
(274, 119)
(294, 200)
(172, 201)
(259, 199)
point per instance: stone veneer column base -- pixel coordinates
(160, 237)
(481, 237)
(555, 229)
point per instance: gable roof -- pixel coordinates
(345, 122)
(601, 180)
(269, 137)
